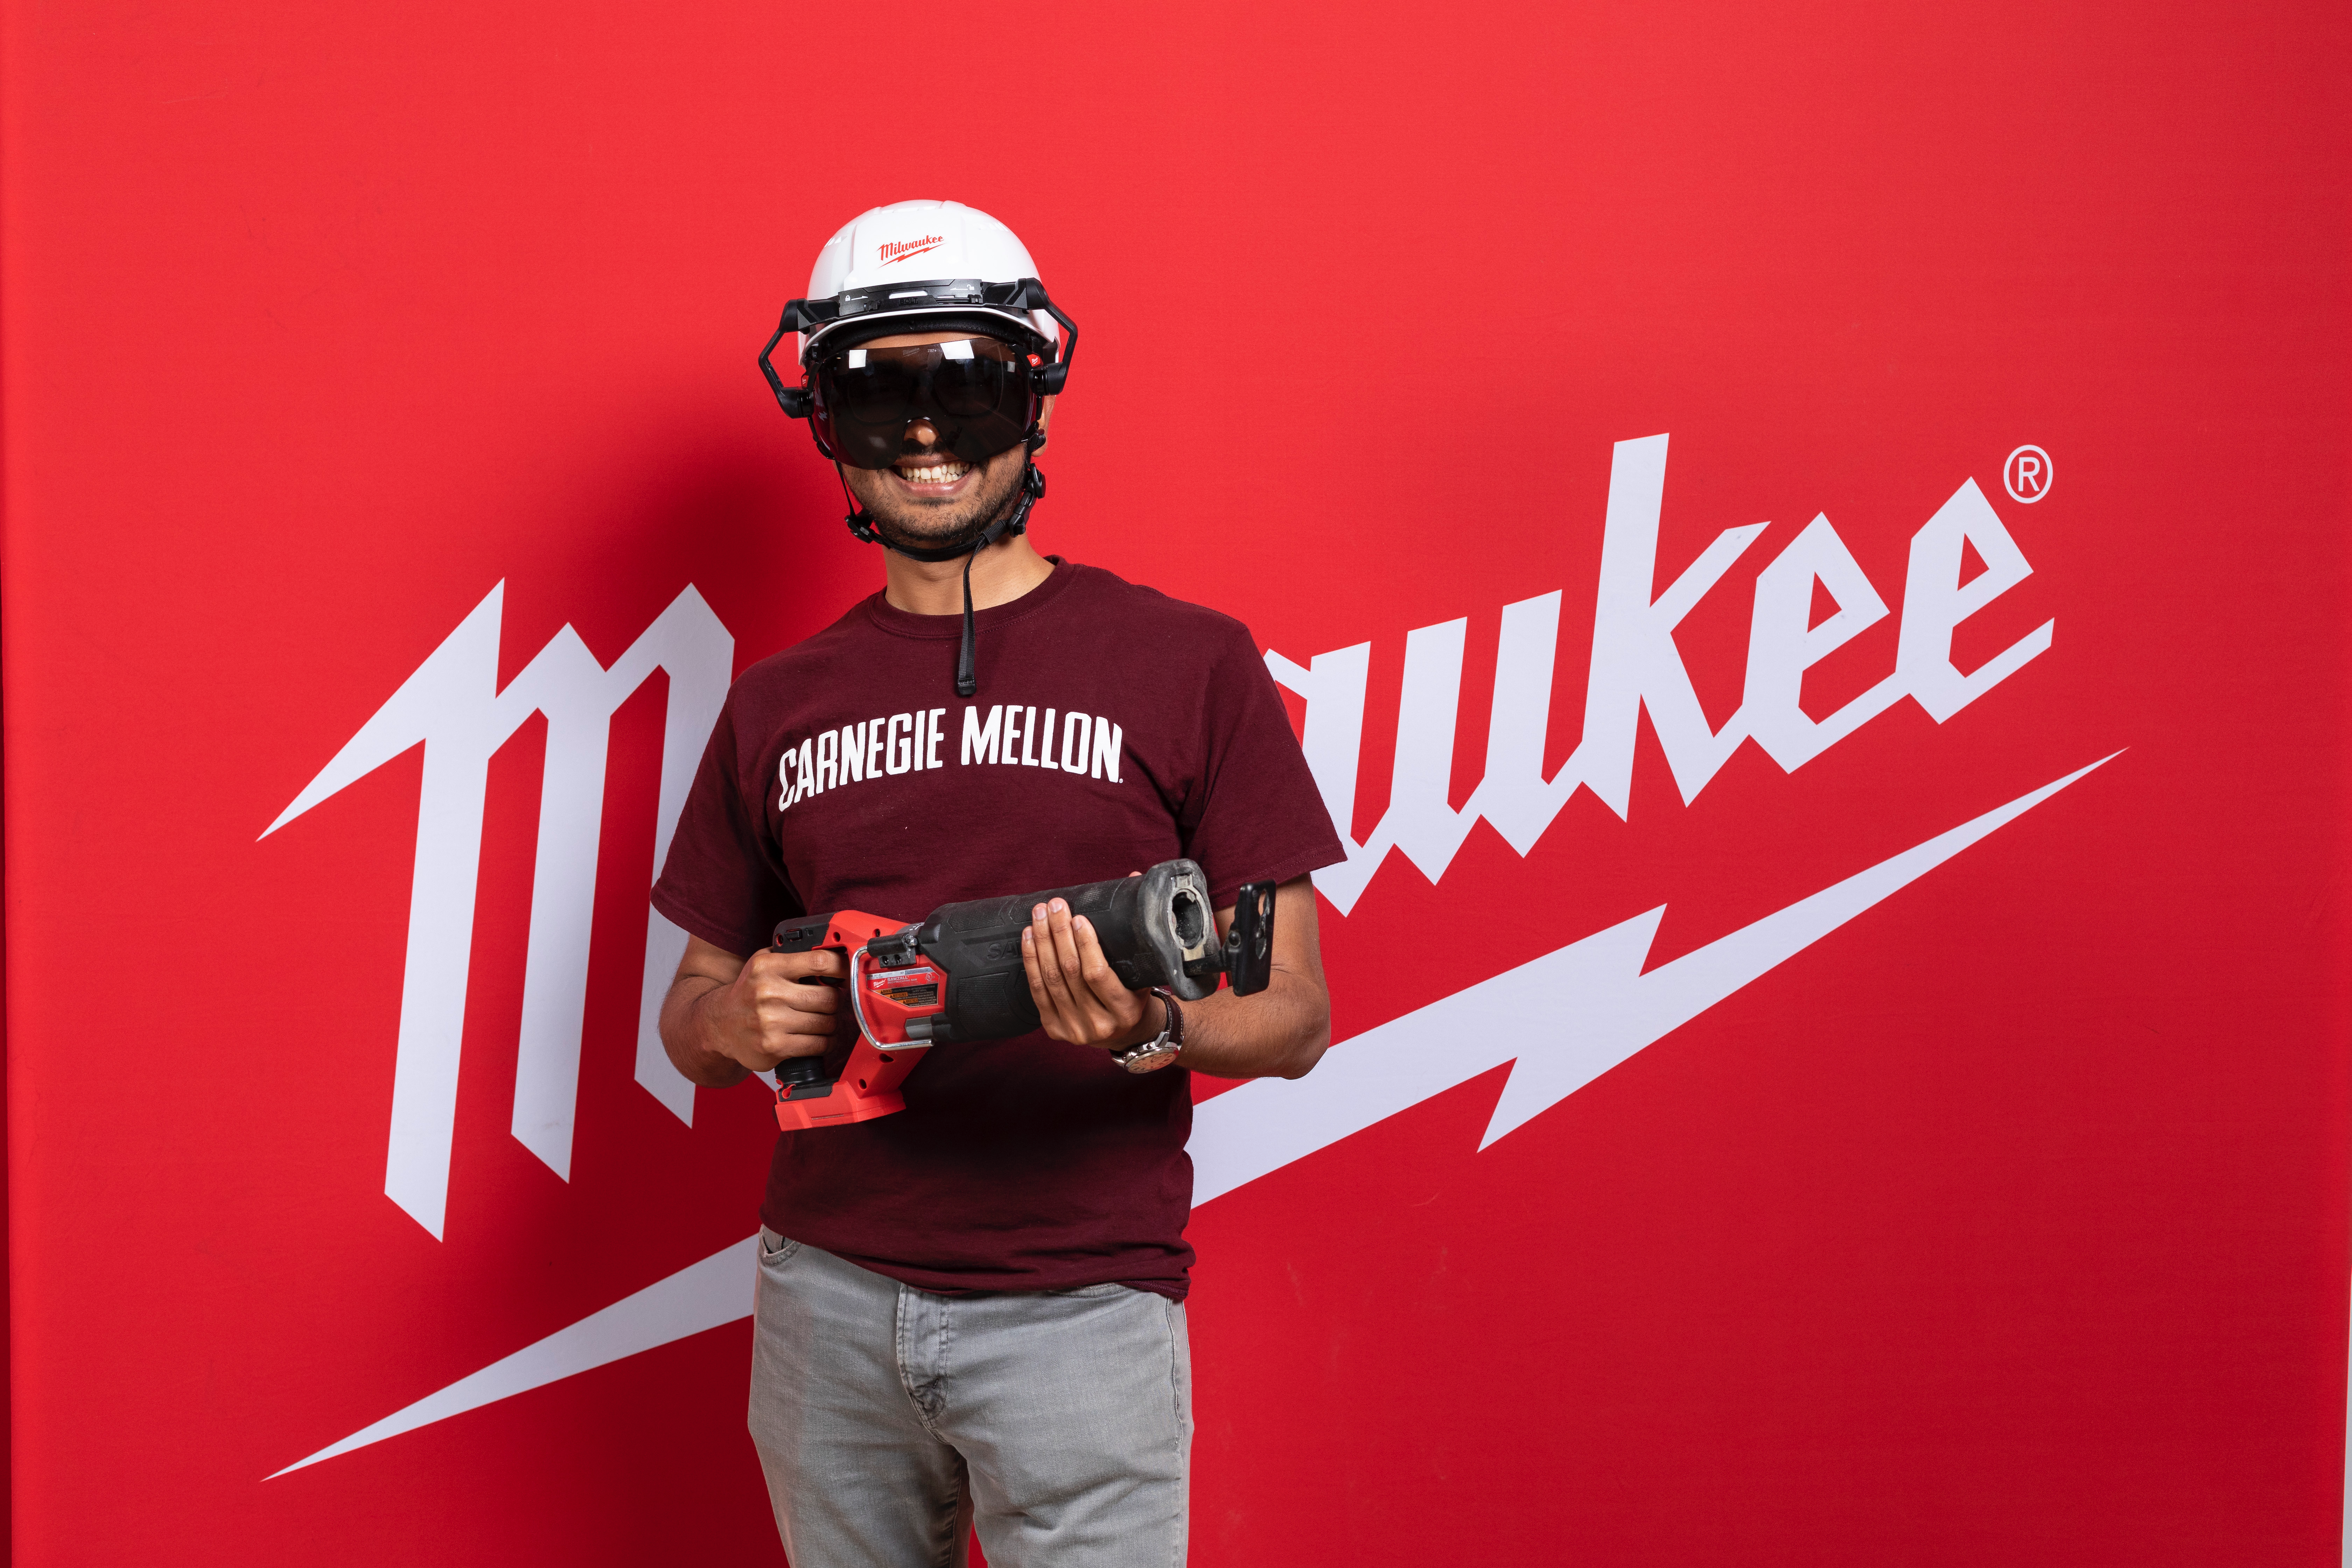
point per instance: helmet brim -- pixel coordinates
(1003, 325)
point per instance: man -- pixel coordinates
(970, 1311)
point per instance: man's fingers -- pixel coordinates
(810, 994)
(1050, 956)
(768, 1042)
(779, 1023)
(794, 1016)
(1029, 964)
(1093, 968)
(780, 1006)
(1063, 1008)
(1065, 941)
(1078, 994)
(1124, 1009)
(785, 1031)
(798, 1010)
(1100, 1015)
(1032, 961)
(1048, 1011)
(824, 964)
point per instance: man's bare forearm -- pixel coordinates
(1280, 1032)
(682, 1034)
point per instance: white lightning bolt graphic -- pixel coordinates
(1611, 1009)
(702, 1296)
(1564, 1018)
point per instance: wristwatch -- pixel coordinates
(1161, 1048)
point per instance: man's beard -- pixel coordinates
(904, 527)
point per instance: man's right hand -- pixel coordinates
(775, 1008)
(726, 1017)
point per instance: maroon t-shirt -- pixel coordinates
(1115, 728)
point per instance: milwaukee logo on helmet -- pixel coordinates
(898, 251)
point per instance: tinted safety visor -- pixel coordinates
(979, 394)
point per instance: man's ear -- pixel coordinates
(1044, 418)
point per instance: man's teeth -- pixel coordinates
(934, 473)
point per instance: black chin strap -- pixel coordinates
(1016, 521)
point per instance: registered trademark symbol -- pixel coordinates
(2027, 474)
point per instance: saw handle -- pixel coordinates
(805, 936)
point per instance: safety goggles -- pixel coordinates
(980, 394)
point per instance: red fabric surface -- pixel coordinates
(2006, 1224)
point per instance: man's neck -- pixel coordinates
(999, 574)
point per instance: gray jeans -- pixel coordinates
(891, 1421)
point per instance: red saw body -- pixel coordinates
(884, 1001)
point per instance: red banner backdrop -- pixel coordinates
(1715, 481)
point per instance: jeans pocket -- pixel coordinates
(775, 1250)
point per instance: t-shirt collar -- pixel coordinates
(907, 624)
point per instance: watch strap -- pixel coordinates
(1172, 1031)
(1161, 1048)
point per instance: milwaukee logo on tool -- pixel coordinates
(899, 250)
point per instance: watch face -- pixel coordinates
(1149, 1059)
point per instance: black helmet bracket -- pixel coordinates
(946, 297)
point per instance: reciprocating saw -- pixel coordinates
(958, 974)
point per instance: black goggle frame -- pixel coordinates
(980, 394)
(914, 300)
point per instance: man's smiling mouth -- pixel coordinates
(927, 475)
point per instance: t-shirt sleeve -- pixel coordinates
(723, 881)
(1258, 816)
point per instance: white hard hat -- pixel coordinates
(894, 260)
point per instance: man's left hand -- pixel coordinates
(1079, 997)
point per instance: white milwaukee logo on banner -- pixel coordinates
(1598, 981)
(1635, 665)
(452, 706)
